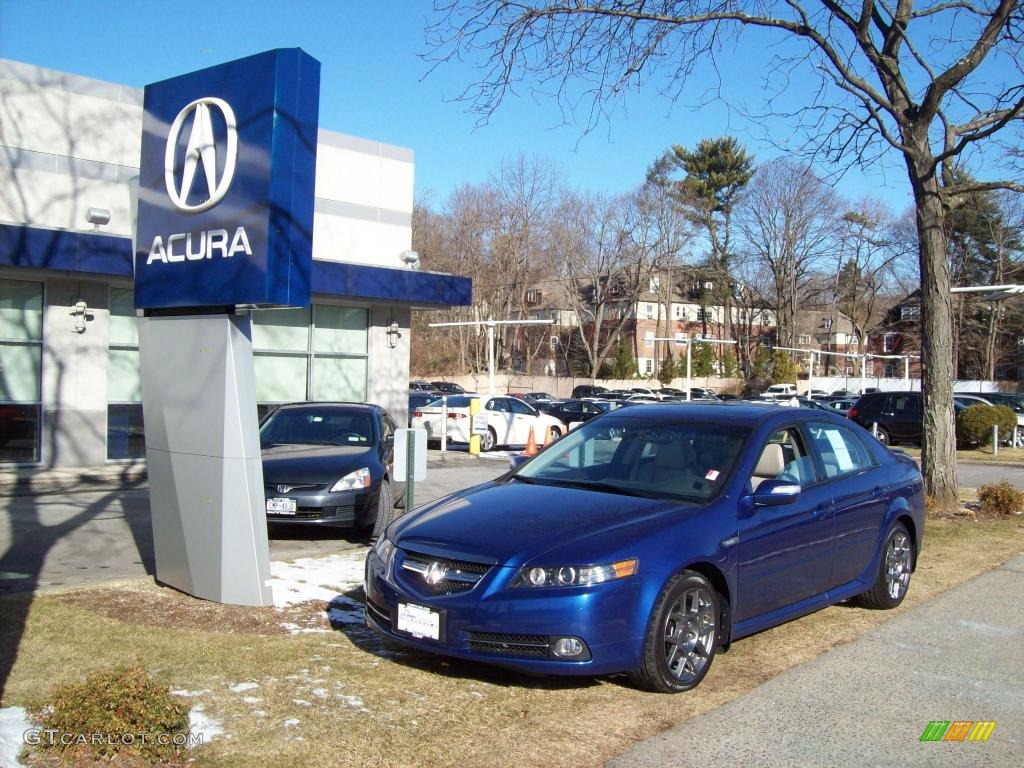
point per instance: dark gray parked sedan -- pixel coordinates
(329, 464)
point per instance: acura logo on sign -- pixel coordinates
(201, 149)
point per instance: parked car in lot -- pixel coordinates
(418, 399)
(587, 390)
(779, 391)
(570, 411)
(899, 416)
(448, 387)
(328, 464)
(509, 420)
(646, 540)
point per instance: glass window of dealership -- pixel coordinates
(21, 356)
(316, 353)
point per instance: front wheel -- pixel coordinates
(489, 440)
(385, 509)
(681, 637)
(893, 576)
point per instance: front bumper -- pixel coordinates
(514, 628)
(320, 507)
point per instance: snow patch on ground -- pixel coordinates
(291, 722)
(353, 701)
(13, 724)
(202, 724)
(316, 578)
(243, 687)
(187, 694)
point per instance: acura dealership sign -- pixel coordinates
(226, 185)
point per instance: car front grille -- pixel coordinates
(531, 646)
(444, 576)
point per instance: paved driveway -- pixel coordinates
(957, 657)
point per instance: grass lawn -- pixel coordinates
(340, 697)
(1005, 455)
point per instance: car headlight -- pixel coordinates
(534, 576)
(384, 548)
(353, 481)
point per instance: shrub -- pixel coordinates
(107, 714)
(1001, 499)
(974, 423)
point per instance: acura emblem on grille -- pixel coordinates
(283, 488)
(435, 573)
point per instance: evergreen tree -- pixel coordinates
(624, 365)
(784, 369)
(703, 362)
(669, 370)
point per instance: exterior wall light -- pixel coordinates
(97, 217)
(411, 259)
(80, 311)
(394, 334)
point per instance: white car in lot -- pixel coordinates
(508, 421)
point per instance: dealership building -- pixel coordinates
(70, 392)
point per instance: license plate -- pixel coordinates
(281, 506)
(419, 621)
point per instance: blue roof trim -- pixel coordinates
(406, 286)
(61, 249)
(64, 250)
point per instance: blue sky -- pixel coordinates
(375, 85)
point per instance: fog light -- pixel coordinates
(569, 648)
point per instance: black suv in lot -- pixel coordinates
(899, 415)
(587, 390)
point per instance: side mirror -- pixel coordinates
(775, 493)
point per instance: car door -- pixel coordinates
(500, 418)
(859, 497)
(523, 418)
(784, 551)
(902, 416)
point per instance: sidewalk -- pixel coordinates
(957, 657)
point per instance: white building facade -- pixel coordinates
(69, 364)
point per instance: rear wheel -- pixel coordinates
(893, 576)
(883, 437)
(385, 509)
(682, 634)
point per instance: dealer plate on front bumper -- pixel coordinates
(419, 621)
(281, 506)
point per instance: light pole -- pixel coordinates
(489, 323)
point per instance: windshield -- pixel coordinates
(315, 426)
(646, 457)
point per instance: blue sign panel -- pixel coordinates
(226, 185)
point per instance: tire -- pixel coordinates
(884, 437)
(555, 433)
(894, 566)
(488, 441)
(681, 637)
(385, 509)
(1019, 438)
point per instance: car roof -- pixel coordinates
(726, 413)
(333, 404)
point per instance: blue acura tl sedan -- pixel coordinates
(649, 538)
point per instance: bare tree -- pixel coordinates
(788, 221)
(868, 252)
(606, 259)
(887, 78)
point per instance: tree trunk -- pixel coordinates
(938, 454)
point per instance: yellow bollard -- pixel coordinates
(474, 413)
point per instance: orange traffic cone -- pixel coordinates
(531, 445)
(548, 436)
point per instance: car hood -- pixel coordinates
(510, 522)
(314, 463)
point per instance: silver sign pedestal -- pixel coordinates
(203, 455)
